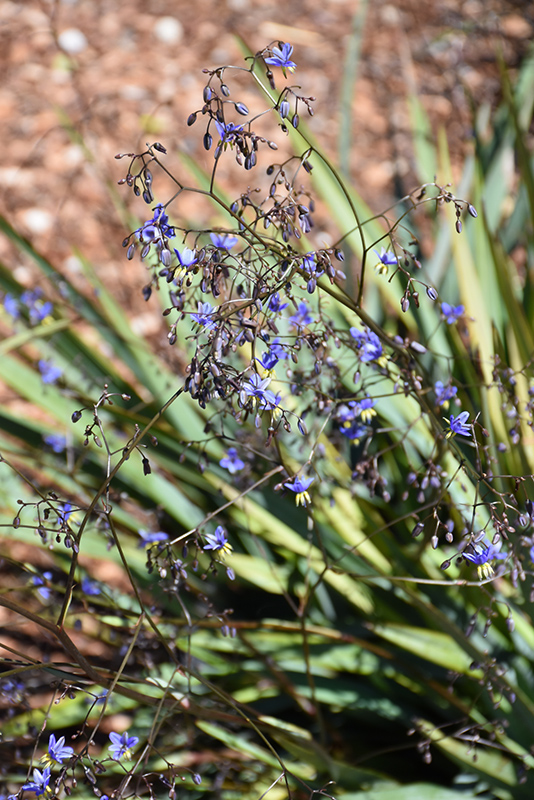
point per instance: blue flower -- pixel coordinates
(256, 386)
(232, 462)
(369, 345)
(354, 431)
(156, 228)
(40, 782)
(49, 372)
(310, 267)
(57, 751)
(218, 542)
(302, 317)
(228, 132)
(482, 557)
(204, 316)
(63, 513)
(300, 487)
(366, 409)
(444, 393)
(268, 360)
(270, 400)
(386, 259)
(281, 57)
(275, 305)
(350, 426)
(89, 587)
(56, 443)
(151, 538)
(121, 745)
(187, 258)
(276, 348)
(451, 313)
(11, 306)
(12, 689)
(223, 241)
(459, 425)
(38, 309)
(43, 590)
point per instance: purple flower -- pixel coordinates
(354, 431)
(349, 424)
(43, 590)
(56, 443)
(482, 557)
(444, 393)
(223, 241)
(89, 587)
(187, 258)
(281, 57)
(256, 386)
(268, 360)
(310, 267)
(365, 408)
(300, 487)
(204, 316)
(148, 538)
(121, 745)
(63, 513)
(302, 317)
(218, 541)
(270, 400)
(386, 259)
(459, 425)
(13, 690)
(156, 228)
(368, 344)
(232, 462)
(49, 372)
(11, 306)
(38, 308)
(277, 349)
(451, 313)
(275, 305)
(228, 132)
(40, 782)
(57, 751)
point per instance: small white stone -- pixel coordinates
(37, 220)
(168, 30)
(72, 41)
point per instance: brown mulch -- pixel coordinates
(117, 74)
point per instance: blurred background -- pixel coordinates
(83, 80)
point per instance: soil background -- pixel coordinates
(84, 79)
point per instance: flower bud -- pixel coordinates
(241, 108)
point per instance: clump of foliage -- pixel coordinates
(291, 551)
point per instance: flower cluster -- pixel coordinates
(32, 303)
(369, 346)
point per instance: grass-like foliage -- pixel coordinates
(289, 552)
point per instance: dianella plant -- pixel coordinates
(287, 549)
